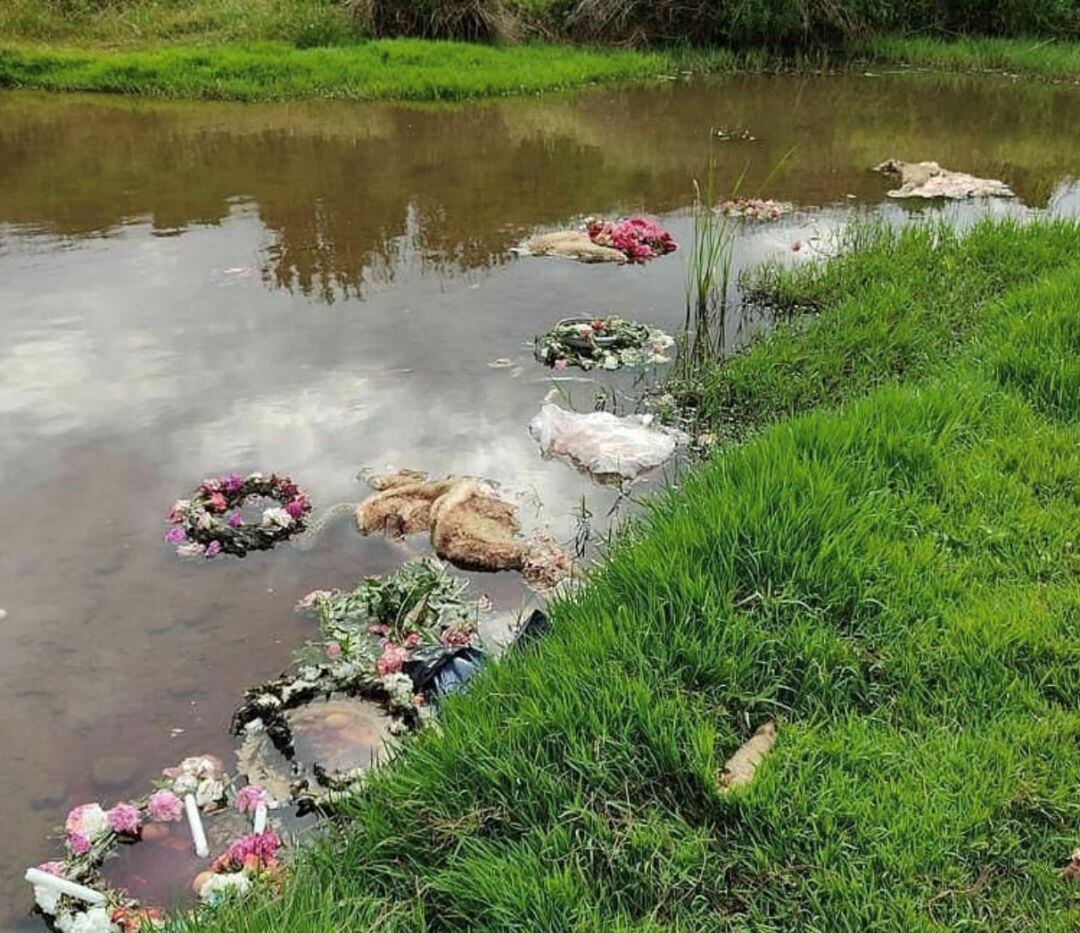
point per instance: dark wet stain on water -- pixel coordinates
(318, 288)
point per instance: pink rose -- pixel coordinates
(250, 797)
(78, 842)
(392, 659)
(333, 651)
(218, 503)
(164, 807)
(123, 818)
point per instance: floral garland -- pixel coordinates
(637, 238)
(607, 343)
(369, 637)
(92, 834)
(211, 521)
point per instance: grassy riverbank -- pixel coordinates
(419, 69)
(888, 569)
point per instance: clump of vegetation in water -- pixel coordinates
(604, 342)
(891, 574)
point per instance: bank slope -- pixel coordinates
(893, 577)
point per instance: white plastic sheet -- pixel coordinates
(604, 444)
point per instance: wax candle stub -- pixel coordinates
(43, 879)
(198, 836)
(260, 818)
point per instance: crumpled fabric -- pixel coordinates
(602, 444)
(930, 180)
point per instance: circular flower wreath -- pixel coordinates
(605, 343)
(373, 640)
(211, 521)
(92, 834)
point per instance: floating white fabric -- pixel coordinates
(604, 444)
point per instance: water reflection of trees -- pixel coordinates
(349, 192)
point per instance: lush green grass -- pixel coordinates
(417, 69)
(406, 69)
(1034, 57)
(894, 576)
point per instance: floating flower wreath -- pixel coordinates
(79, 901)
(637, 238)
(607, 343)
(212, 521)
(373, 641)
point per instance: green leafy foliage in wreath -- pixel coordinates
(606, 343)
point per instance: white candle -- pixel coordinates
(38, 877)
(260, 818)
(195, 823)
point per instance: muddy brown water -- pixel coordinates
(318, 288)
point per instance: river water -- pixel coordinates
(319, 288)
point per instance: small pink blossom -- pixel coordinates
(217, 502)
(456, 637)
(333, 650)
(213, 549)
(232, 483)
(175, 535)
(123, 818)
(378, 629)
(411, 640)
(249, 797)
(392, 659)
(561, 364)
(164, 806)
(52, 868)
(296, 508)
(235, 520)
(78, 843)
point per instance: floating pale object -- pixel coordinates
(62, 886)
(195, 823)
(260, 818)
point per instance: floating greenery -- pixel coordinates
(606, 343)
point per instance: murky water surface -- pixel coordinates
(318, 288)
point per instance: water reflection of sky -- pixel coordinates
(318, 290)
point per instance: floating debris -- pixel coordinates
(735, 135)
(76, 892)
(212, 521)
(385, 650)
(603, 342)
(633, 240)
(602, 444)
(470, 525)
(930, 180)
(755, 208)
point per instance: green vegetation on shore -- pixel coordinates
(420, 69)
(888, 569)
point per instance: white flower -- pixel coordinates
(94, 920)
(46, 898)
(92, 820)
(185, 784)
(611, 361)
(209, 791)
(219, 886)
(278, 517)
(400, 688)
(205, 521)
(191, 549)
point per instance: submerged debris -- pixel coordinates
(470, 525)
(603, 342)
(930, 180)
(740, 768)
(602, 444)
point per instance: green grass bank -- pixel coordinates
(431, 70)
(888, 569)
